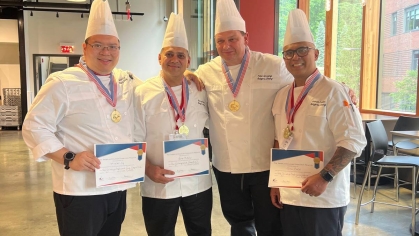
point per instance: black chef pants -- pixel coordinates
(160, 215)
(96, 215)
(309, 221)
(246, 203)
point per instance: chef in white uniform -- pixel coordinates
(81, 106)
(166, 104)
(314, 113)
(241, 85)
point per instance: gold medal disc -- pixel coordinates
(234, 105)
(183, 129)
(116, 116)
(287, 132)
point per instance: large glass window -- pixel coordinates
(199, 23)
(349, 42)
(285, 6)
(317, 26)
(397, 77)
(412, 16)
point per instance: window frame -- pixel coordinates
(394, 23)
(414, 8)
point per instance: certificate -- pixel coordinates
(120, 163)
(289, 168)
(186, 157)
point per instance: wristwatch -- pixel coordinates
(326, 175)
(68, 156)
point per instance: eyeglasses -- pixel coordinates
(99, 47)
(301, 52)
(180, 56)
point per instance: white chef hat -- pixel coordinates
(175, 35)
(227, 17)
(100, 20)
(298, 29)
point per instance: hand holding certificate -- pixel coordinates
(186, 157)
(120, 163)
(289, 168)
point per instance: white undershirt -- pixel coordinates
(234, 71)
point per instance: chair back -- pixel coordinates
(405, 123)
(379, 139)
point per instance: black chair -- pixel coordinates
(379, 143)
(404, 123)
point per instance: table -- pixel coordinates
(409, 135)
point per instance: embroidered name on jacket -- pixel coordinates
(265, 77)
(202, 103)
(318, 103)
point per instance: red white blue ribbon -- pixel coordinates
(235, 86)
(180, 110)
(109, 95)
(291, 108)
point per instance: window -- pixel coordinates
(412, 17)
(397, 74)
(415, 56)
(394, 23)
(318, 28)
(285, 6)
(349, 42)
(199, 20)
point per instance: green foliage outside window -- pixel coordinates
(405, 97)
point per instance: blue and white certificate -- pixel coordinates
(289, 168)
(120, 163)
(186, 157)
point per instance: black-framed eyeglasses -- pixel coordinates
(301, 52)
(100, 47)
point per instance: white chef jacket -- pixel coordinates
(70, 111)
(154, 121)
(242, 140)
(321, 123)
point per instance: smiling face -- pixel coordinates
(174, 61)
(301, 67)
(101, 61)
(231, 46)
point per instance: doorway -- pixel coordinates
(45, 64)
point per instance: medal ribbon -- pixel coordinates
(179, 109)
(292, 108)
(235, 86)
(109, 95)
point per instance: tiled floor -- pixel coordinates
(26, 205)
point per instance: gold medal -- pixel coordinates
(183, 129)
(287, 132)
(234, 105)
(116, 116)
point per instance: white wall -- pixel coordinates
(8, 30)
(9, 73)
(140, 39)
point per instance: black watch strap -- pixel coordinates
(326, 175)
(68, 156)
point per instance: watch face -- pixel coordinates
(69, 156)
(327, 176)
